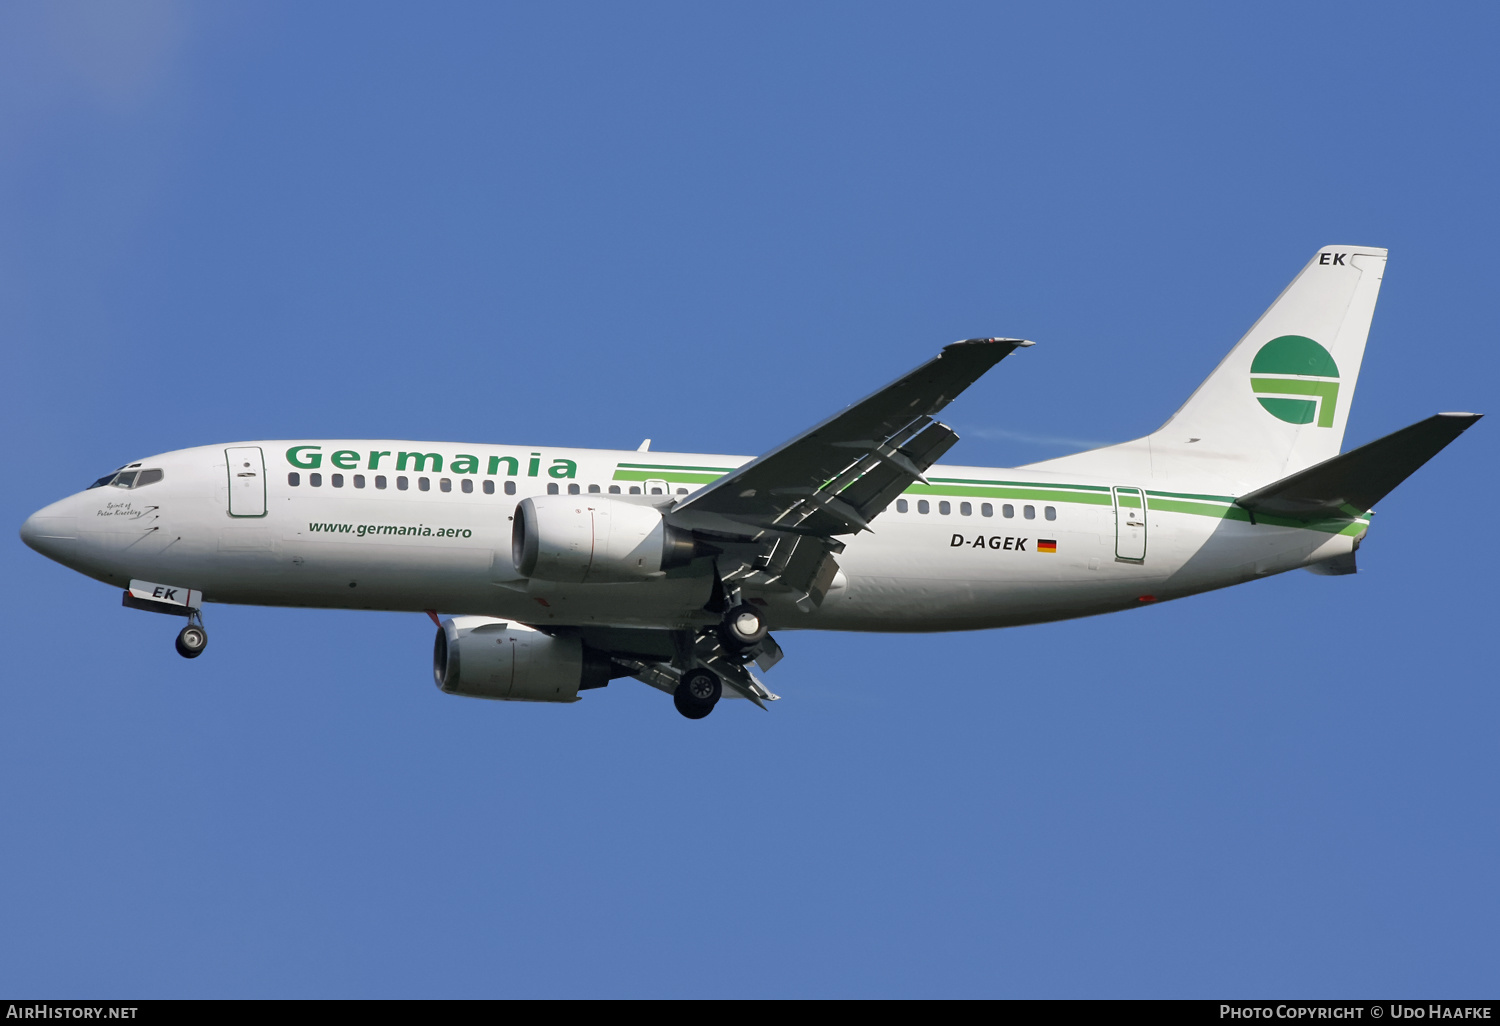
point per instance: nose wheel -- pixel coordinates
(192, 639)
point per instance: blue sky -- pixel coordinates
(587, 224)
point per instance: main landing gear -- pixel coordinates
(740, 637)
(192, 639)
(743, 628)
(714, 657)
(697, 693)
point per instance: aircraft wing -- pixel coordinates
(773, 524)
(836, 477)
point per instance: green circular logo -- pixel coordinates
(1296, 380)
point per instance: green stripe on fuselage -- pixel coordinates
(1016, 484)
(1219, 507)
(675, 476)
(673, 466)
(674, 472)
(1337, 525)
(1038, 493)
(1190, 495)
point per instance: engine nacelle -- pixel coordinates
(482, 657)
(590, 539)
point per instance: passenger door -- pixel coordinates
(247, 481)
(1130, 524)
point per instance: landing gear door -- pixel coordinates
(1130, 524)
(247, 481)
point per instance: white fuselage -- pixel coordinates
(370, 534)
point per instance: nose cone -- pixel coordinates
(52, 531)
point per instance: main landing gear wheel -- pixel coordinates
(191, 641)
(697, 693)
(743, 628)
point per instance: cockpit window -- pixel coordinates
(129, 478)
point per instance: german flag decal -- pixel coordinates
(1046, 544)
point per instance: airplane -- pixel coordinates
(576, 567)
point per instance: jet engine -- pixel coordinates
(481, 657)
(589, 539)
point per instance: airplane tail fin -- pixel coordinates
(1279, 401)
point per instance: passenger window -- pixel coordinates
(986, 510)
(635, 489)
(446, 484)
(1051, 512)
(294, 479)
(656, 491)
(1030, 512)
(510, 488)
(966, 509)
(1007, 511)
(489, 488)
(379, 480)
(401, 484)
(424, 484)
(552, 488)
(614, 489)
(945, 507)
(125, 479)
(572, 489)
(337, 480)
(359, 480)
(901, 506)
(148, 477)
(316, 480)
(922, 506)
(682, 491)
(468, 486)
(593, 489)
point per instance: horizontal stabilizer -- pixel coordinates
(1352, 483)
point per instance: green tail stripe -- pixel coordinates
(1327, 392)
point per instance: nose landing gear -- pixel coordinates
(174, 601)
(192, 639)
